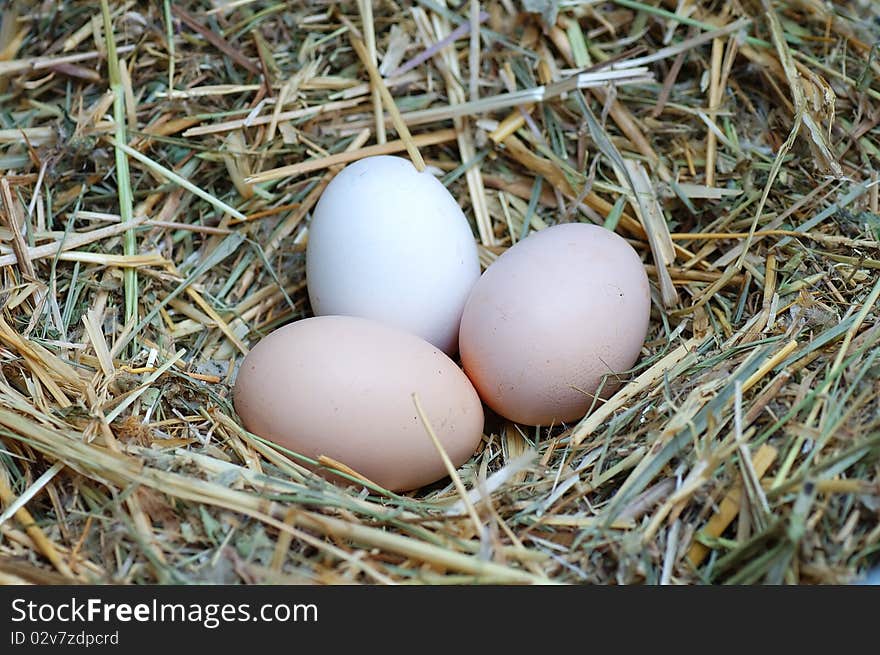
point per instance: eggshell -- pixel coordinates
(389, 243)
(550, 317)
(342, 386)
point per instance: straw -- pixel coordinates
(159, 166)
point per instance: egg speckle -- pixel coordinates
(343, 387)
(390, 243)
(553, 322)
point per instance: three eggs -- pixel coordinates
(394, 280)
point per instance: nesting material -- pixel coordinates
(160, 170)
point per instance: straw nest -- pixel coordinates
(158, 165)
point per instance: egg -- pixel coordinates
(343, 387)
(390, 243)
(551, 317)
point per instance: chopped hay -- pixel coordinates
(158, 166)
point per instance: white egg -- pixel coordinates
(391, 244)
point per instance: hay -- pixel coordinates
(158, 167)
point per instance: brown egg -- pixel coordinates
(552, 316)
(342, 386)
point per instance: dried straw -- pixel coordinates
(735, 147)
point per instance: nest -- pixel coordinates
(158, 166)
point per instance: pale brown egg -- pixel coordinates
(343, 387)
(550, 318)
